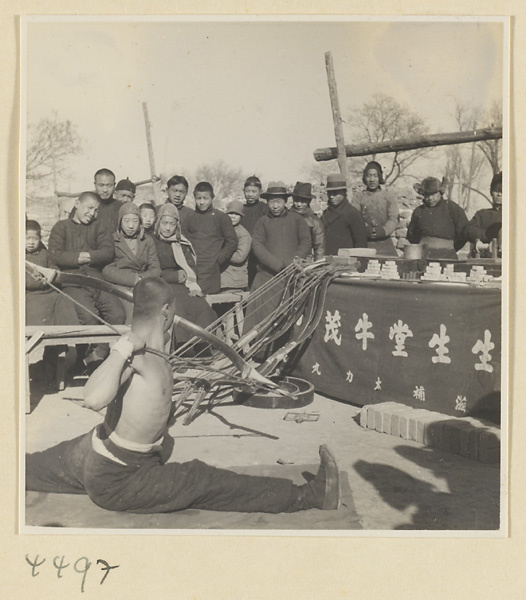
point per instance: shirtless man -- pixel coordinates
(118, 464)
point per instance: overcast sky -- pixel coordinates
(252, 93)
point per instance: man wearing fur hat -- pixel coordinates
(438, 222)
(235, 276)
(301, 199)
(135, 253)
(379, 209)
(344, 226)
(486, 225)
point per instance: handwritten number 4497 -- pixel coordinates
(81, 566)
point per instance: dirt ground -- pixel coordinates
(396, 484)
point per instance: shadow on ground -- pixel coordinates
(472, 502)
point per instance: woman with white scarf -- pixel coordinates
(177, 260)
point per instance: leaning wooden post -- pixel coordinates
(336, 115)
(147, 126)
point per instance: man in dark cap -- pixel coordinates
(438, 222)
(486, 225)
(379, 208)
(253, 210)
(301, 199)
(344, 226)
(125, 191)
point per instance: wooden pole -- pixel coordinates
(147, 126)
(412, 143)
(336, 116)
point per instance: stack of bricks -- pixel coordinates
(466, 436)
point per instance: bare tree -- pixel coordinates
(465, 163)
(50, 144)
(227, 181)
(492, 149)
(383, 119)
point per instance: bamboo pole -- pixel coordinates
(147, 126)
(412, 143)
(336, 116)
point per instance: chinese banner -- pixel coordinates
(429, 346)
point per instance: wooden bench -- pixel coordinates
(38, 337)
(237, 318)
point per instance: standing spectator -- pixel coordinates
(486, 225)
(279, 237)
(379, 209)
(301, 199)
(125, 191)
(177, 189)
(212, 235)
(235, 276)
(253, 210)
(344, 226)
(80, 244)
(437, 222)
(135, 253)
(108, 212)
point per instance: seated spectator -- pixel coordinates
(344, 226)
(486, 225)
(213, 238)
(177, 189)
(437, 222)
(379, 208)
(80, 244)
(148, 217)
(135, 254)
(178, 263)
(44, 306)
(301, 199)
(235, 276)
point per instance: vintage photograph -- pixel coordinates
(264, 275)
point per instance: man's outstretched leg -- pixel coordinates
(324, 490)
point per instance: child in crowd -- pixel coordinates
(213, 238)
(148, 217)
(177, 189)
(235, 276)
(44, 306)
(135, 254)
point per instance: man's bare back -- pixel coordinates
(141, 410)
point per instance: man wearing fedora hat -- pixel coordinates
(278, 238)
(437, 222)
(301, 199)
(344, 225)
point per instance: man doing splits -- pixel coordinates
(118, 464)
